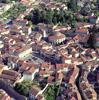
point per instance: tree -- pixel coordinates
(98, 3)
(23, 88)
(36, 16)
(52, 92)
(73, 5)
(54, 20)
(5, 1)
(49, 16)
(86, 10)
(62, 16)
(43, 16)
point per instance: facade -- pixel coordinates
(96, 40)
(30, 74)
(94, 20)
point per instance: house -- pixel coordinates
(82, 31)
(4, 95)
(27, 2)
(64, 67)
(3, 67)
(1, 45)
(45, 73)
(21, 23)
(34, 94)
(30, 74)
(61, 28)
(26, 30)
(93, 19)
(82, 36)
(94, 55)
(24, 51)
(12, 42)
(57, 6)
(96, 40)
(4, 31)
(51, 79)
(14, 30)
(98, 77)
(13, 62)
(43, 29)
(46, 66)
(83, 25)
(46, 46)
(10, 76)
(66, 59)
(38, 36)
(60, 76)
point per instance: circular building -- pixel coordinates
(57, 38)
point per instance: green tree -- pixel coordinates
(23, 88)
(98, 3)
(36, 16)
(54, 20)
(62, 16)
(52, 92)
(5, 1)
(43, 16)
(49, 16)
(73, 5)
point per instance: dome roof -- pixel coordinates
(56, 36)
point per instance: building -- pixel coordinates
(4, 95)
(57, 6)
(10, 76)
(93, 19)
(57, 38)
(96, 40)
(30, 74)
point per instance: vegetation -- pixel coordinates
(49, 16)
(73, 5)
(51, 92)
(98, 3)
(14, 11)
(23, 88)
(7, 1)
(86, 10)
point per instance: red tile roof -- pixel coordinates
(82, 30)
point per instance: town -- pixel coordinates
(49, 49)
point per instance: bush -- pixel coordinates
(23, 88)
(49, 16)
(14, 11)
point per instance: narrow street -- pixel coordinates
(78, 83)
